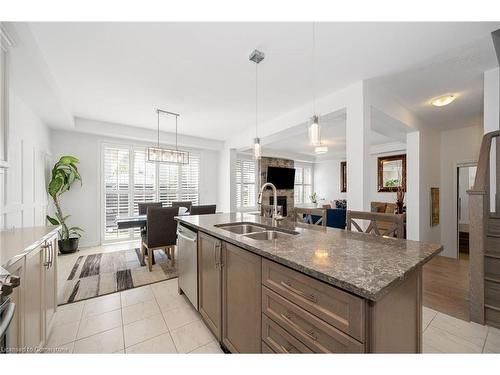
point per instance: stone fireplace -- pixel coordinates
(285, 196)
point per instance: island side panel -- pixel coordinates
(395, 321)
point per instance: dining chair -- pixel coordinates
(143, 206)
(160, 233)
(394, 225)
(187, 204)
(204, 209)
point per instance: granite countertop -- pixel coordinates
(363, 264)
(15, 243)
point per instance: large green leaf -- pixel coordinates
(52, 220)
(54, 186)
(68, 160)
(76, 229)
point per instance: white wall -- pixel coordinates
(430, 153)
(24, 198)
(457, 147)
(491, 113)
(84, 203)
(327, 180)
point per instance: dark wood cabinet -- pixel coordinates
(210, 282)
(241, 300)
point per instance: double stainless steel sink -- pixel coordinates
(256, 231)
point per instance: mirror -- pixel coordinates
(391, 173)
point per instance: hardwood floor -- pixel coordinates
(446, 286)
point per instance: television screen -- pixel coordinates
(282, 178)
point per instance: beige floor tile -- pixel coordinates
(136, 295)
(100, 305)
(440, 341)
(99, 323)
(168, 287)
(158, 344)
(191, 336)
(210, 348)
(104, 342)
(180, 316)
(69, 313)
(144, 329)
(62, 334)
(492, 344)
(169, 302)
(140, 311)
(471, 332)
(427, 316)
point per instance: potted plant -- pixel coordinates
(64, 174)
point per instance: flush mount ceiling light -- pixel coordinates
(166, 155)
(321, 149)
(256, 56)
(443, 100)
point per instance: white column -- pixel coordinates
(226, 195)
(492, 123)
(357, 149)
(413, 206)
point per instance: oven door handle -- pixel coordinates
(7, 316)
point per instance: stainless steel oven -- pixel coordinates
(7, 306)
(7, 309)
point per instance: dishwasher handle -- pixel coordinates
(182, 234)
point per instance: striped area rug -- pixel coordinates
(99, 274)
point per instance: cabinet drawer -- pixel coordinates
(338, 308)
(279, 340)
(318, 335)
(266, 349)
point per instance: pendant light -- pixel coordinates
(314, 130)
(256, 56)
(166, 155)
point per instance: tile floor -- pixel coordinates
(149, 319)
(156, 319)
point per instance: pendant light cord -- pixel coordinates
(256, 100)
(158, 125)
(313, 67)
(176, 133)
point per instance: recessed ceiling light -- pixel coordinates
(443, 100)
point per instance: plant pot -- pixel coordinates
(68, 246)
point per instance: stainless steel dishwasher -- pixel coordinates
(187, 262)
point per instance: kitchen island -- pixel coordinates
(291, 287)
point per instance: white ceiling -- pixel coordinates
(122, 72)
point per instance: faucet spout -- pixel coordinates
(276, 216)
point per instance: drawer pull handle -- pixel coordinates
(288, 318)
(310, 297)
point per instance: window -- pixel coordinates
(245, 183)
(303, 184)
(129, 179)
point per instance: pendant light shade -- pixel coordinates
(321, 149)
(314, 135)
(257, 150)
(165, 155)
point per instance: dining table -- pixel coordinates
(136, 221)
